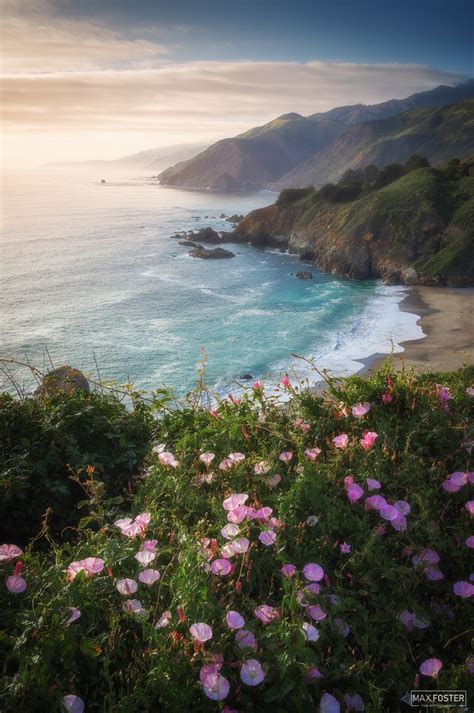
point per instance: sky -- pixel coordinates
(99, 79)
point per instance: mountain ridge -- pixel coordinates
(257, 158)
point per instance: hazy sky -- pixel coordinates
(85, 79)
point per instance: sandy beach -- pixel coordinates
(446, 318)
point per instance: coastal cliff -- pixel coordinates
(418, 229)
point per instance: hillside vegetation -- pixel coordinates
(438, 133)
(293, 150)
(411, 224)
(312, 557)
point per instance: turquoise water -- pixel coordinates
(90, 272)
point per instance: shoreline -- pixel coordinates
(445, 317)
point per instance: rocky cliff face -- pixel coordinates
(418, 230)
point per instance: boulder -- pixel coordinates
(64, 378)
(215, 254)
(188, 243)
(235, 218)
(304, 275)
(222, 215)
(207, 235)
(410, 276)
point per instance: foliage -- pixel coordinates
(292, 195)
(44, 442)
(122, 662)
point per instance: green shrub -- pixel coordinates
(45, 441)
(121, 662)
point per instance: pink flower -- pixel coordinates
(200, 632)
(354, 703)
(433, 573)
(285, 456)
(263, 513)
(387, 398)
(145, 557)
(389, 512)
(470, 391)
(262, 467)
(368, 440)
(431, 667)
(150, 545)
(403, 507)
(75, 614)
(126, 586)
(373, 484)
(149, 577)
(266, 614)
(226, 464)
(328, 704)
(341, 441)
(360, 410)
(133, 528)
(236, 457)
(235, 501)
(426, 556)
(92, 565)
(315, 612)
(73, 704)
(312, 674)
(314, 588)
(310, 632)
(240, 545)
(345, 548)
(216, 687)
(167, 458)
(375, 502)
(470, 542)
(257, 385)
(234, 620)
(274, 480)
(342, 628)
(134, 606)
(252, 673)
(444, 395)
(470, 507)
(313, 572)
(463, 589)
(229, 531)
(288, 570)
(164, 620)
(285, 382)
(312, 453)
(400, 523)
(9, 552)
(238, 515)
(207, 458)
(15, 584)
(354, 492)
(209, 669)
(267, 537)
(221, 567)
(245, 639)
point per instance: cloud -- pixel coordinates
(35, 42)
(199, 96)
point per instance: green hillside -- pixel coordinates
(415, 228)
(439, 133)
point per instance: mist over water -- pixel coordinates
(89, 271)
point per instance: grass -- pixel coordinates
(120, 661)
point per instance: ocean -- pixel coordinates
(90, 277)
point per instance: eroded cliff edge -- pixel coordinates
(419, 229)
